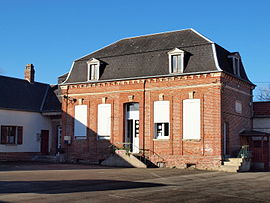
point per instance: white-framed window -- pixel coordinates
(80, 121)
(104, 121)
(93, 69)
(161, 119)
(238, 107)
(191, 119)
(176, 61)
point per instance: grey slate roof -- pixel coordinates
(18, 94)
(147, 56)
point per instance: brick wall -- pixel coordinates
(205, 153)
(236, 90)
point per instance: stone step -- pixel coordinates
(227, 168)
(122, 159)
(235, 160)
(229, 163)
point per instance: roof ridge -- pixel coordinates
(158, 33)
(13, 78)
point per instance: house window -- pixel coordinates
(191, 119)
(11, 135)
(93, 69)
(80, 121)
(238, 107)
(161, 119)
(177, 64)
(236, 63)
(236, 66)
(176, 61)
(93, 72)
(104, 121)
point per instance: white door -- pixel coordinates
(132, 127)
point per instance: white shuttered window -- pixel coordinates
(104, 121)
(161, 119)
(191, 119)
(161, 111)
(80, 121)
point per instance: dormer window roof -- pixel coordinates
(235, 57)
(93, 69)
(176, 61)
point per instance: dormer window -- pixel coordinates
(235, 57)
(176, 61)
(93, 69)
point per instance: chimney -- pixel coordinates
(29, 73)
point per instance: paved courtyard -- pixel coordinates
(34, 182)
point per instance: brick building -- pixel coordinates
(175, 98)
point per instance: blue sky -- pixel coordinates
(52, 33)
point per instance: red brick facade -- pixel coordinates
(217, 93)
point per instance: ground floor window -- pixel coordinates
(161, 119)
(11, 134)
(162, 130)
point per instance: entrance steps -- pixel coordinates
(123, 159)
(235, 165)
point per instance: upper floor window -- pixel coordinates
(235, 57)
(176, 61)
(93, 69)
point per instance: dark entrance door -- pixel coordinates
(44, 142)
(260, 152)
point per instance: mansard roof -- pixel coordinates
(147, 56)
(18, 94)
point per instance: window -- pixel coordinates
(238, 107)
(93, 69)
(11, 135)
(236, 66)
(176, 61)
(93, 72)
(235, 57)
(161, 119)
(80, 121)
(191, 119)
(104, 121)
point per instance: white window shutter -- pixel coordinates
(161, 112)
(104, 119)
(191, 119)
(80, 120)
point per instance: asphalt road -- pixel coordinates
(28, 182)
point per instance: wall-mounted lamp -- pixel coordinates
(72, 100)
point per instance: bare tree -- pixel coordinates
(263, 94)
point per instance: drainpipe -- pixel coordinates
(144, 109)
(66, 122)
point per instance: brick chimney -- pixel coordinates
(29, 73)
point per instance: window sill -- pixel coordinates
(80, 138)
(104, 138)
(191, 140)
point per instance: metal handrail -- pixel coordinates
(244, 152)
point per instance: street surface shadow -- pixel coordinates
(31, 165)
(70, 186)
